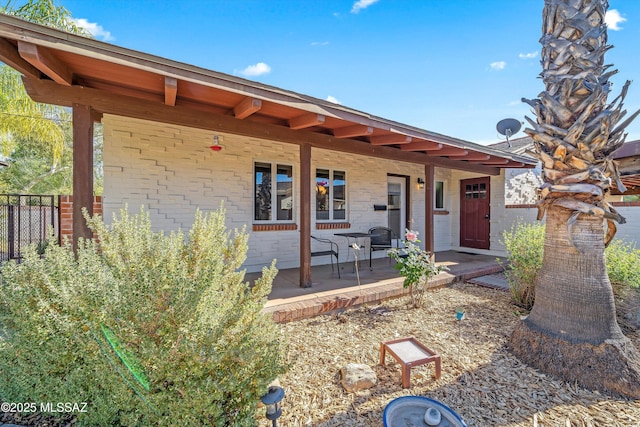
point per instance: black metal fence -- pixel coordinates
(24, 220)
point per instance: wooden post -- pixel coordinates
(82, 170)
(305, 215)
(430, 184)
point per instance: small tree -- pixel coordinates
(147, 328)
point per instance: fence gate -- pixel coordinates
(26, 219)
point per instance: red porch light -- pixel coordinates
(216, 143)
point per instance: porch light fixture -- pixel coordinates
(216, 143)
(420, 183)
(272, 401)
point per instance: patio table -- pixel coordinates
(353, 237)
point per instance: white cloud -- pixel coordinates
(95, 29)
(528, 55)
(612, 18)
(362, 4)
(319, 43)
(499, 65)
(332, 99)
(256, 70)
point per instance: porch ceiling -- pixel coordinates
(66, 69)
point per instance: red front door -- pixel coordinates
(474, 213)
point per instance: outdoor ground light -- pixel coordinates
(272, 401)
(420, 183)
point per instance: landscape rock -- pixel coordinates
(356, 377)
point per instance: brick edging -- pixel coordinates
(332, 301)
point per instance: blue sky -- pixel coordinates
(452, 67)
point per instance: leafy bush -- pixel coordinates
(147, 328)
(525, 246)
(416, 266)
(623, 265)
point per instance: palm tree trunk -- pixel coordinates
(572, 332)
(574, 298)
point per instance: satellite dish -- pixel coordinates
(508, 127)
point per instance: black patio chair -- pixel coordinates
(331, 250)
(381, 239)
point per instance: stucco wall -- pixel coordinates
(171, 171)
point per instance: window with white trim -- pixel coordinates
(439, 195)
(331, 195)
(273, 192)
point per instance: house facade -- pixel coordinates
(286, 166)
(172, 171)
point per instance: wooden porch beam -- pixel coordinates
(82, 170)
(390, 139)
(496, 161)
(170, 90)
(306, 121)
(474, 157)
(450, 152)
(45, 61)
(10, 56)
(422, 146)
(305, 215)
(110, 103)
(247, 107)
(429, 228)
(351, 131)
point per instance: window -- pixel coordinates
(331, 195)
(439, 195)
(475, 191)
(272, 205)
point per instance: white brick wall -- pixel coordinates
(171, 171)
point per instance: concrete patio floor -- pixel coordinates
(328, 293)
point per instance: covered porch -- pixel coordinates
(180, 138)
(288, 301)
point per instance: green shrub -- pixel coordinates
(525, 246)
(147, 328)
(623, 265)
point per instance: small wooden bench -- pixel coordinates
(409, 352)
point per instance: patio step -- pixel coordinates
(305, 306)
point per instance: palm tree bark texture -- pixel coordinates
(572, 331)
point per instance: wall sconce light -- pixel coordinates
(272, 401)
(216, 143)
(420, 183)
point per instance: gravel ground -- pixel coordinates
(480, 379)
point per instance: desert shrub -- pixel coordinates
(623, 265)
(525, 245)
(147, 328)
